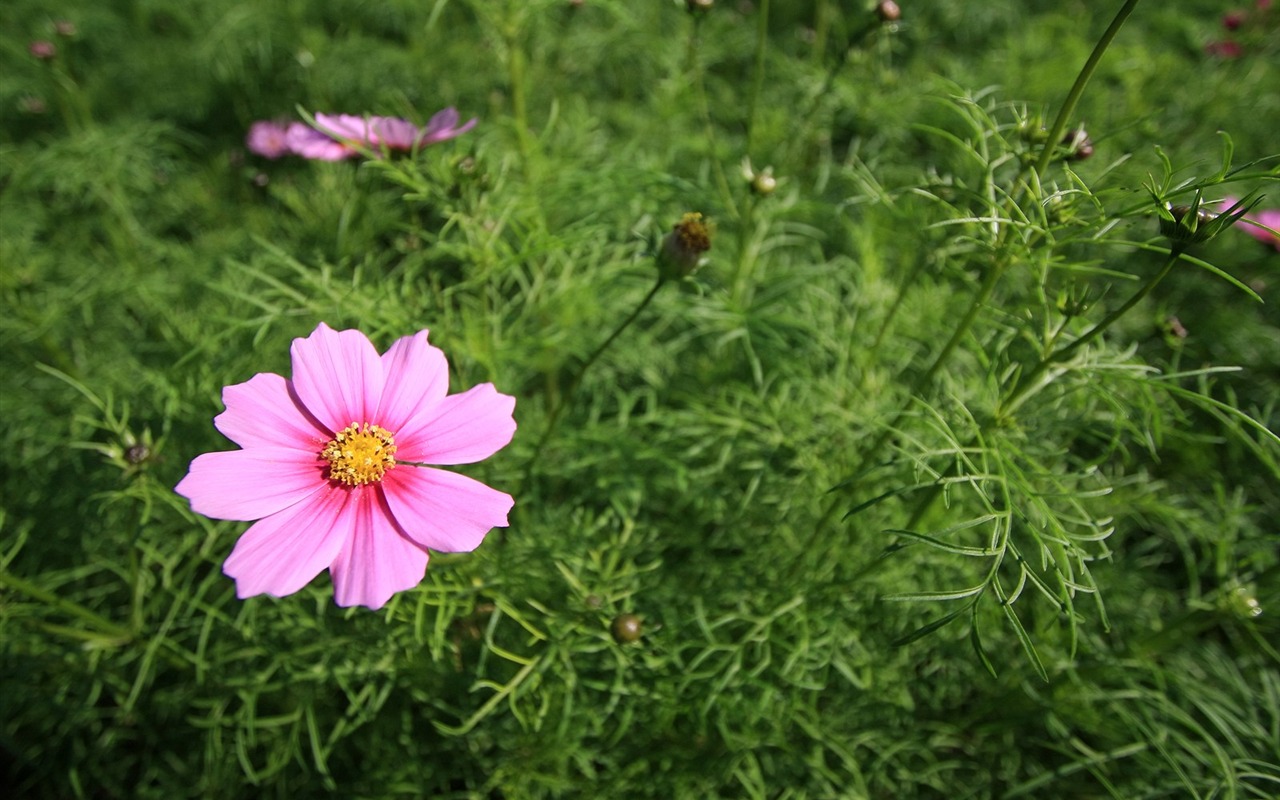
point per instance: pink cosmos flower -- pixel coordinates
(1269, 217)
(267, 139)
(339, 136)
(306, 141)
(329, 468)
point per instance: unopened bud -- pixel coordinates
(627, 628)
(762, 183)
(64, 28)
(45, 51)
(888, 11)
(682, 248)
(699, 6)
(1079, 145)
(1186, 227)
(137, 454)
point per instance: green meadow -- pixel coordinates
(950, 470)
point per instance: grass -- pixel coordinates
(948, 473)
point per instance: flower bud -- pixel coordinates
(682, 249)
(698, 7)
(1079, 145)
(137, 454)
(627, 628)
(1186, 227)
(761, 183)
(888, 11)
(43, 50)
(64, 28)
(1243, 603)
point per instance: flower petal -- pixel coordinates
(282, 553)
(344, 126)
(417, 379)
(461, 429)
(305, 141)
(338, 376)
(376, 561)
(251, 484)
(393, 133)
(264, 411)
(443, 510)
(442, 126)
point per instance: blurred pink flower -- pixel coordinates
(43, 50)
(1270, 217)
(1232, 20)
(339, 136)
(1226, 49)
(329, 468)
(304, 140)
(267, 139)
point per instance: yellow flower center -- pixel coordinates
(360, 454)
(693, 233)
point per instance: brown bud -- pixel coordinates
(682, 249)
(627, 628)
(1079, 145)
(888, 11)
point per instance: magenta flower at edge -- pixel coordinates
(1269, 217)
(324, 468)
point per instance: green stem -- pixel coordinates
(515, 75)
(704, 107)
(1077, 89)
(873, 23)
(762, 44)
(558, 410)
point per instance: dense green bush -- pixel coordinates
(949, 473)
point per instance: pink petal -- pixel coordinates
(442, 126)
(1269, 218)
(417, 378)
(396, 134)
(376, 561)
(461, 429)
(251, 484)
(282, 553)
(443, 510)
(267, 139)
(308, 142)
(338, 376)
(344, 126)
(264, 411)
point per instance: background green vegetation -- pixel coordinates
(147, 261)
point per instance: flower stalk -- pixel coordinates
(575, 382)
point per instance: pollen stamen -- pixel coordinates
(360, 454)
